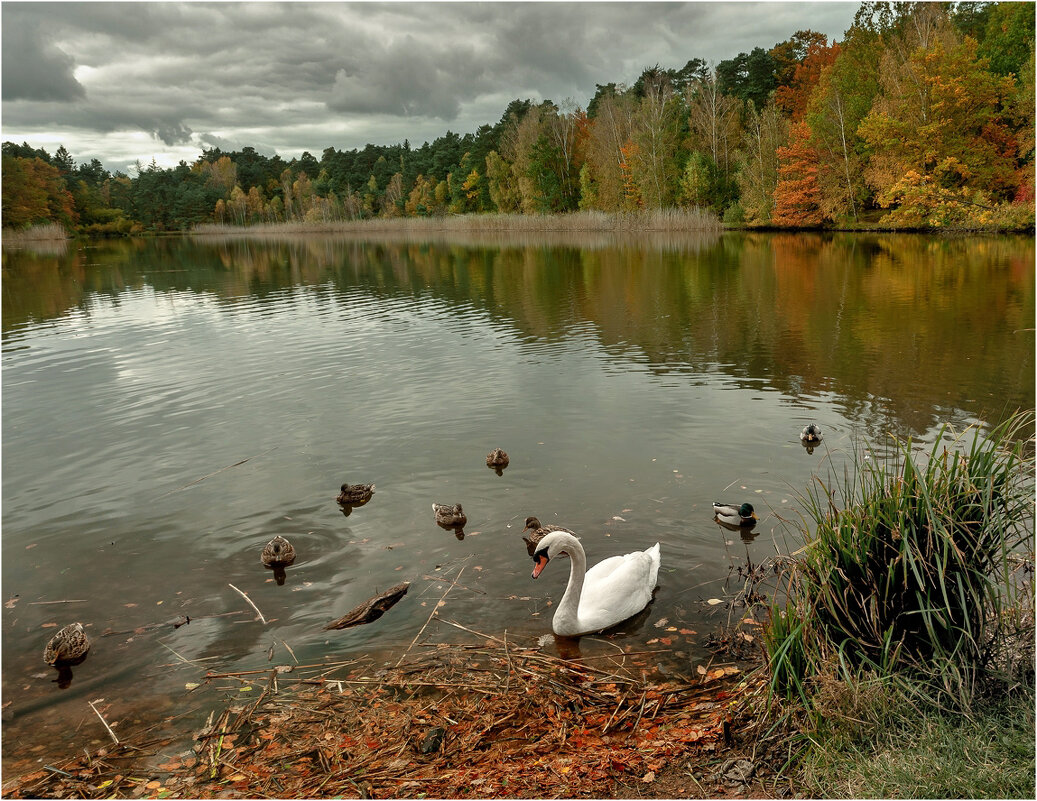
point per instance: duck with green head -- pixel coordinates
(743, 515)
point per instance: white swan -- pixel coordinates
(610, 592)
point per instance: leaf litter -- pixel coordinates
(485, 720)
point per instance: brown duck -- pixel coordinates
(67, 647)
(355, 494)
(277, 552)
(497, 458)
(447, 515)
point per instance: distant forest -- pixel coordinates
(921, 117)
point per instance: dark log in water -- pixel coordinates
(371, 609)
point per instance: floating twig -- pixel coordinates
(245, 596)
(435, 609)
(210, 475)
(67, 601)
(112, 733)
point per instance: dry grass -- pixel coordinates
(50, 237)
(658, 220)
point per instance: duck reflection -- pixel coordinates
(64, 678)
(458, 530)
(747, 533)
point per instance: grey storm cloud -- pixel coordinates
(34, 68)
(305, 76)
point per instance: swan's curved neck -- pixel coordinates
(566, 617)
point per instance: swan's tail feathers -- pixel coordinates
(653, 552)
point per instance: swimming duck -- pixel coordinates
(811, 434)
(355, 494)
(743, 515)
(447, 515)
(497, 458)
(613, 590)
(67, 647)
(537, 531)
(277, 552)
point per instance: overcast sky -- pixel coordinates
(126, 81)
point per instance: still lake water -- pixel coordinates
(631, 382)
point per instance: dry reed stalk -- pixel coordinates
(210, 475)
(435, 609)
(245, 596)
(109, 728)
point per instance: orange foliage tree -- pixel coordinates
(939, 134)
(34, 193)
(797, 197)
(794, 99)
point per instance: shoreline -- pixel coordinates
(482, 719)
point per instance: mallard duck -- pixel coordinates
(743, 515)
(447, 515)
(535, 531)
(355, 494)
(497, 458)
(610, 592)
(811, 434)
(277, 552)
(67, 647)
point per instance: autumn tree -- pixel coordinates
(843, 96)
(501, 184)
(765, 132)
(608, 134)
(938, 130)
(714, 127)
(655, 134)
(794, 97)
(421, 201)
(797, 197)
(34, 193)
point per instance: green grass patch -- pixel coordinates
(891, 749)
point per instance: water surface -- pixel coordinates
(171, 405)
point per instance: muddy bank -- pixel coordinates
(491, 718)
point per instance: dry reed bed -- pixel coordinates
(484, 720)
(654, 221)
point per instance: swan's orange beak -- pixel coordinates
(541, 562)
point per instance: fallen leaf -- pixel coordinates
(49, 626)
(153, 785)
(652, 641)
(10, 604)
(648, 777)
(687, 631)
(129, 606)
(714, 601)
(191, 685)
(701, 670)
(671, 628)
(617, 517)
(661, 622)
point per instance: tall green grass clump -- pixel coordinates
(908, 574)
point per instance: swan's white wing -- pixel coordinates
(618, 588)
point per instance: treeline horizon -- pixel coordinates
(922, 116)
